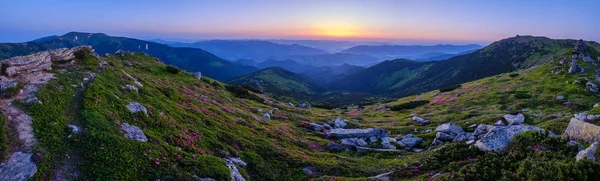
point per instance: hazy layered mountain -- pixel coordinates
(335, 59)
(441, 56)
(403, 77)
(331, 46)
(256, 50)
(389, 52)
(192, 59)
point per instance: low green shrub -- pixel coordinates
(241, 92)
(450, 88)
(172, 69)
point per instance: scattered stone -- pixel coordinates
(449, 128)
(74, 129)
(382, 107)
(581, 116)
(133, 132)
(481, 129)
(136, 107)
(498, 137)
(355, 133)
(361, 149)
(560, 97)
(130, 87)
(373, 139)
(420, 120)
(316, 127)
(132, 78)
(310, 171)
(198, 75)
(128, 64)
(575, 67)
(7, 84)
(473, 126)
(588, 153)
(361, 142)
(591, 87)
(582, 131)
(514, 119)
(267, 116)
(304, 105)
(580, 46)
(338, 123)
(18, 168)
(383, 176)
(234, 173)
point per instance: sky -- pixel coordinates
(444, 21)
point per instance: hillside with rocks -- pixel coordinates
(70, 114)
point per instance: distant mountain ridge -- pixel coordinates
(388, 52)
(192, 59)
(256, 50)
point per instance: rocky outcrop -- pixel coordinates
(267, 116)
(133, 78)
(575, 68)
(133, 132)
(198, 75)
(354, 133)
(18, 168)
(410, 141)
(383, 176)
(130, 87)
(449, 128)
(40, 61)
(588, 153)
(498, 137)
(233, 171)
(580, 46)
(136, 107)
(582, 131)
(591, 87)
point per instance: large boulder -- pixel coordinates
(582, 131)
(580, 46)
(514, 119)
(355, 133)
(575, 68)
(133, 132)
(498, 137)
(27, 64)
(588, 153)
(18, 168)
(481, 129)
(449, 128)
(349, 142)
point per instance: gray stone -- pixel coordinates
(133, 132)
(74, 129)
(361, 142)
(349, 142)
(136, 107)
(382, 177)
(233, 171)
(591, 87)
(130, 87)
(588, 153)
(316, 127)
(481, 129)
(411, 140)
(327, 126)
(498, 138)
(420, 120)
(7, 84)
(449, 128)
(238, 161)
(198, 75)
(373, 139)
(560, 97)
(575, 68)
(355, 133)
(338, 123)
(310, 171)
(361, 149)
(18, 168)
(581, 116)
(499, 123)
(591, 117)
(582, 131)
(304, 105)
(464, 137)
(417, 150)
(514, 119)
(266, 116)
(441, 136)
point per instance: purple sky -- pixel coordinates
(448, 21)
